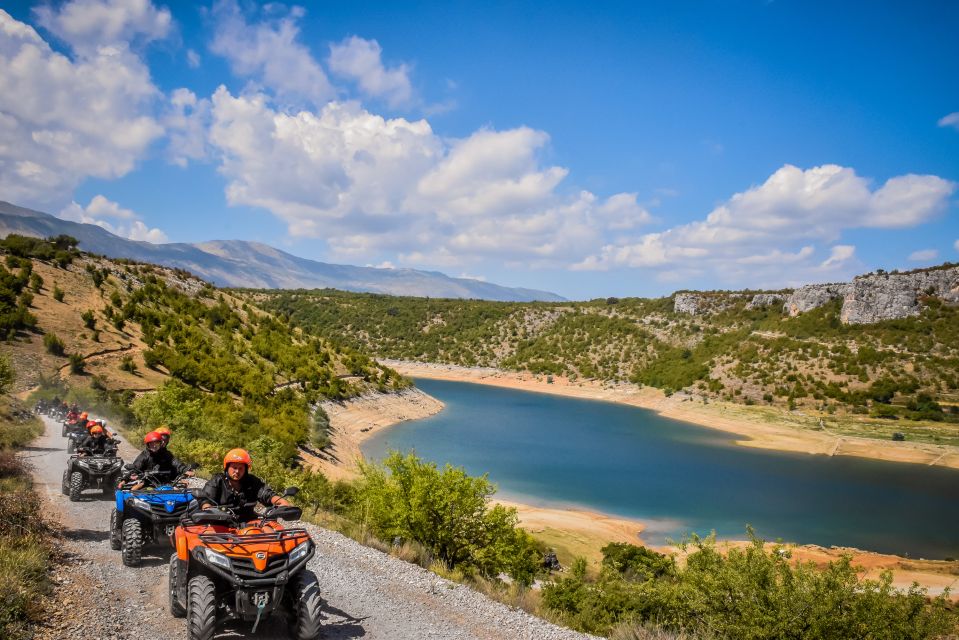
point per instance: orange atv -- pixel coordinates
(226, 570)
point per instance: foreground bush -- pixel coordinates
(750, 593)
(448, 513)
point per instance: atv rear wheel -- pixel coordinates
(115, 533)
(176, 609)
(76, 485)
(306, 607)
(200, 608)
(131, 544)
(65, 483)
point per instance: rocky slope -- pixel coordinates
(867, 299)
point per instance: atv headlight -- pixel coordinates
(143, 504)
(300, 552)
(218, 559)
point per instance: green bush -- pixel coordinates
(54, 344)
(753, 592)
(448, 513)
(77, 365)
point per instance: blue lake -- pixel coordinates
(554, 451)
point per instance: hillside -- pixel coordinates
(237, 263)
(898, 373)
(112, 330)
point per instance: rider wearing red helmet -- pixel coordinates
(236, 487)
(156, 457)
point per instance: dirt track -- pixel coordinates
(368, 594)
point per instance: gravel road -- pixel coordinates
(368, 594)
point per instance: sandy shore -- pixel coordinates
(579, 532)
(762, 428)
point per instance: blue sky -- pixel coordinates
(592, 150)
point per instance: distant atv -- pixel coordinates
(146, 515)
(99, 471)
(226, 570)
(70, 426)
(75, 435)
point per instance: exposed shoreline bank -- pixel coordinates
(762, 429)
(574, 530)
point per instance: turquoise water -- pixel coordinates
(555, 451)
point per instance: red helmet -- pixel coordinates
(96, 430)
(237, 455)
(89, 425)
(153, 436)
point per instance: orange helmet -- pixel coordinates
(83, 416)
(96, 430)
(237, 455)
(163, 431)
(153, 436)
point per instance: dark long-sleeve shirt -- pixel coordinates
(161, 460)
(219, 491)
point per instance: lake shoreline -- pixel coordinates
(759, 428)
(574, 529)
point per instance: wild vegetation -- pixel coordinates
(753, 592)
(26, 540)
(896, 371)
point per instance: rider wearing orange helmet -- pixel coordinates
(156, 457)
(236, 487)
(95, 443)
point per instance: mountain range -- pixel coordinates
(239, 263)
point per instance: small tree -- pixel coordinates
(77, 365)
(57, 293)
(54, 344)
(89, 320)
(36, 282)
(127, 364)
(7, 375)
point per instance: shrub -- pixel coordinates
(54, 344)
(57, 293)
(77, 365)
(89, 320)
(127, 364)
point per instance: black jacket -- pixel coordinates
(219, 491)
(161, 460)
(97, 446)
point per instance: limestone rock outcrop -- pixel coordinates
(765, 300)
(813, 296)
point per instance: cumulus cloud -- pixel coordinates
(360, 60)
(924, 255)
(369, 185)
(270, 53)
(951, 120)
(187, 120)
(125, 223)
(87, 25)
(771, 228)
(193, 59)
(63, 120)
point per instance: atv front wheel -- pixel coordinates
(307, 606)
(115, 534)
(200, 608)
(131, 545)
(176, 609)
(76, 485)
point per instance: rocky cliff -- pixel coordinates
(868, 298)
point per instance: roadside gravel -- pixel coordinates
(368, 593)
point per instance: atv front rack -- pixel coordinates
(253, 538)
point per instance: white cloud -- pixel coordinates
(765, 231)
(361, 60)
(87, 25)
(100, 207)
(187, 121)
(269, 52)
(924, 255)
(466, 276)
(951, 120)
(193, 59)
(382, 188)
(955, 245)
(838, 256)
(63, 120)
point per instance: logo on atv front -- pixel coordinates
(260, 555)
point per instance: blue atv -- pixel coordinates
(147, 514)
